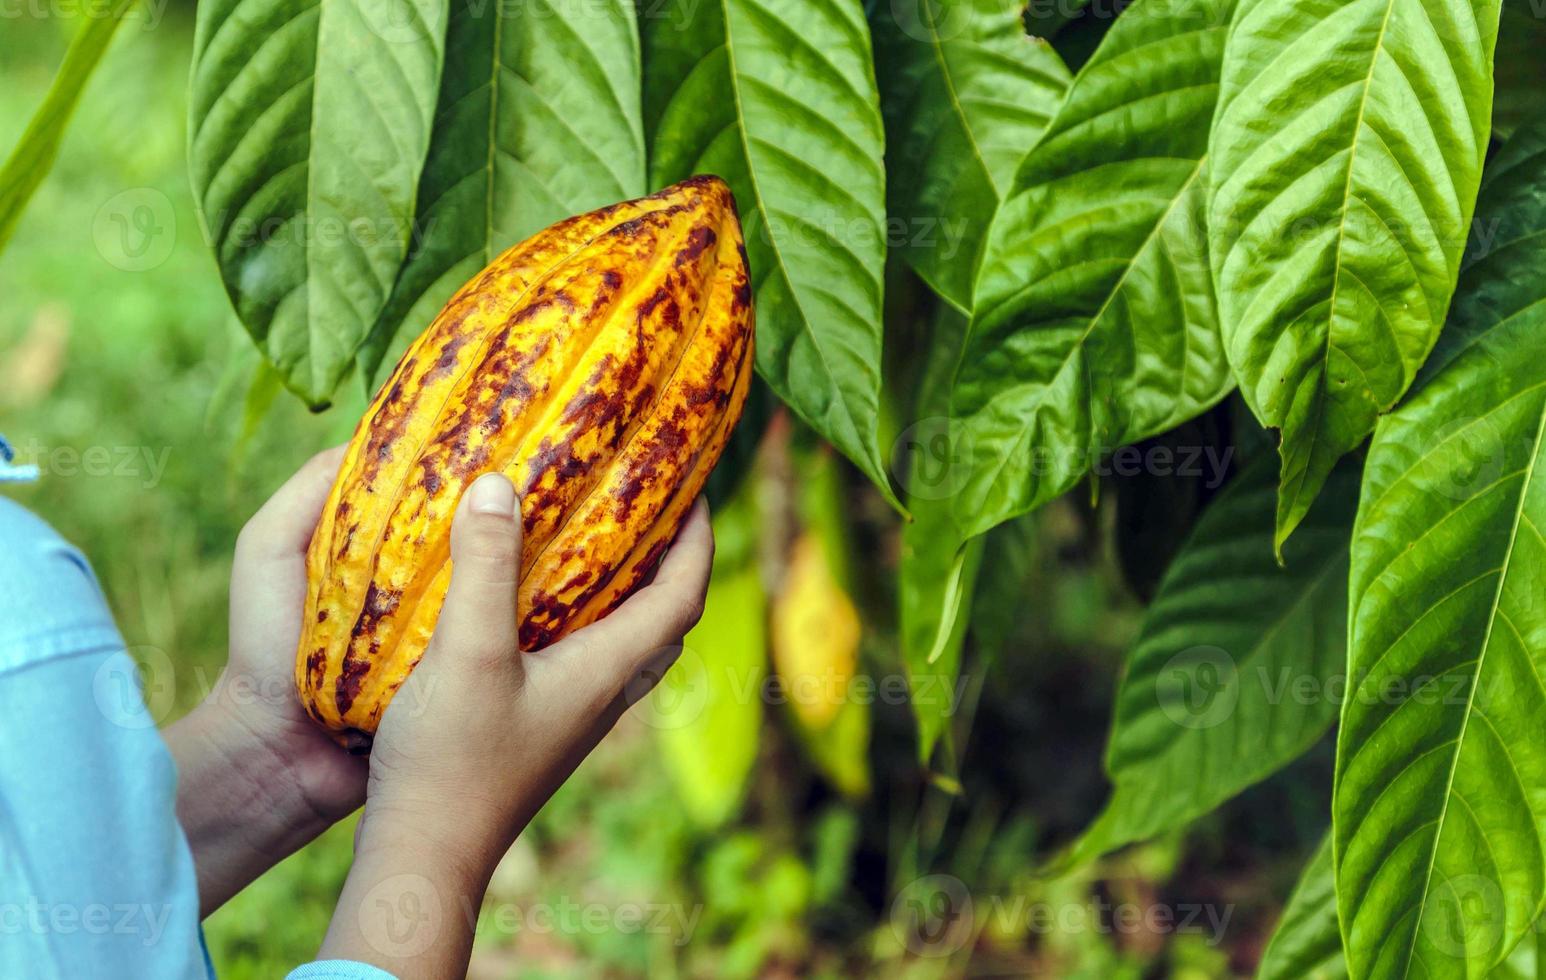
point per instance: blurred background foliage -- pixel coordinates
(784, 839)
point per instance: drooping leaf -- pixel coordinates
(779, 99)
(1094, 322)
(538, 119)
(707, 710)
(966, 93)
(1346, 152)
(938, 574)
(1440, 804)
(1235, 672)
(308, 125)
(33, 156)
(1306, 944)
(938, 564)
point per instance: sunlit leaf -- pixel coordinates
(1094, 323)
(308, 126)
(1346, 152)
(33, 156)
(1440, 803)
(779, 99)
(966, 95)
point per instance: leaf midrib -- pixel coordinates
(1302, 475)
(937, 46)
(1493, 612)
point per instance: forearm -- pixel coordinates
(410, 903)
(240, 810)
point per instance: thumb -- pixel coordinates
(477, 624)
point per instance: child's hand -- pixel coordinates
(481, 734)
(257, 779)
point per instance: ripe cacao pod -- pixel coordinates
(601, 364)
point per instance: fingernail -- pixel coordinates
(492, 493)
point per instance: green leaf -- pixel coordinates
(539, 119)
(936, 578)
(966, 94)
(1346, 152)
(1094, 322)
(33, 156)
(938, 565)
(308, 125)
(1235, 672)
(1306, 945)
(1440, 804)
(707, 711)
(779, 99)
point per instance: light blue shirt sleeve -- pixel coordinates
(96, 878)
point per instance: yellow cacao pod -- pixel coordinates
(601, 365)
(816, 633)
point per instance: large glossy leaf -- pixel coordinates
(308, 126)
(966, 93)
(779, 99)
(1235, 672)
(33, 155)
(1440, 804)
(1306, 945)
(1094, 324)
(539, 118)
(1346, 152)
